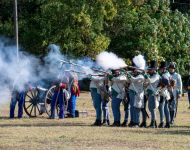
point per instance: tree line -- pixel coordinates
(87, 27)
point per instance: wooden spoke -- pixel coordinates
(31, 110)
(29, 106)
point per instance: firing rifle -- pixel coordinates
(101, 71)
(69, 62)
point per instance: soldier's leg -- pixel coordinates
(132, 99)
(116, 110)
(144, 114)
(105, 109)
(13, 104)
(53, 104)
(161, 111)
(137, 117)
(21, 104)
(126, 109)
(152, 109)
(172, 110)
(72, 105)
(61, 99)
(167, 114)
(97, 105)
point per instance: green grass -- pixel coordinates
(42, 133)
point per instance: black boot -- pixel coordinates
(167, 125)
(116, 124)
(161, 125)
(136, 125)
(143, 125)
(153, 124)
(106, 122)
(131, 124)
(97, 123)
(124, 124)
(172, 117)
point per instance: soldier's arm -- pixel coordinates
(137, 79)
(153, 79)
(120, 79)
(179, 84)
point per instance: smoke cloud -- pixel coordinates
(33, 71)
(108, 60)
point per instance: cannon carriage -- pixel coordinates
(38, 101)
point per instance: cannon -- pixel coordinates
(38, 101)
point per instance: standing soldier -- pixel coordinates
(136, 95)
(177, 90)
(60, 95)
(163, 104)
(17, 95)
(118, 82)
(153, 98)
(75, 91)
(105, 96)
(96, 85)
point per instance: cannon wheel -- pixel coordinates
(31, 104)
(48, 99)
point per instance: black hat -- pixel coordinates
(163, 64)
(172, 65)
(152, 64)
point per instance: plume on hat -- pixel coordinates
(139, 62)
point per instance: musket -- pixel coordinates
(84, 73)
(97, 74)
(132, 67)
(69, 62)
(94, 69)
(79, 72)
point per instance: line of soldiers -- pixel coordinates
(137, 89)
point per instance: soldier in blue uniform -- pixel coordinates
(153, 97)
(58, 98)
(176, 92)
(100, 102)
(164, 95)
(118, 82)
(75, 92)
(17, 96)
(136, 95)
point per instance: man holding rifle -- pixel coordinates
(98, 87)
(118, 82)
(164, 95)
(177, 91)
(153, 97)
(136, 95)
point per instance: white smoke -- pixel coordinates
(14, 74)
(139, 62)
(108, 60)
(30, 70)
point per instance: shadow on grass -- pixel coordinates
(43, 124)
(176, 130)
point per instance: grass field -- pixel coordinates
(42, 133)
